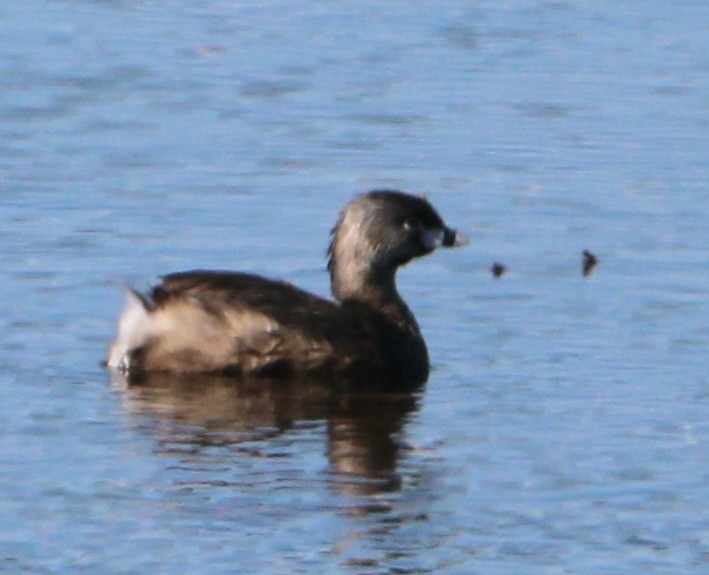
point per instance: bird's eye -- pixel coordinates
(408, 225)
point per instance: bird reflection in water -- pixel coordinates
(200, 411)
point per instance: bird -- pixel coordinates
(234, 323)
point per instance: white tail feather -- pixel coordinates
(133, 331)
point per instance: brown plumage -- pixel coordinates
(229, 322)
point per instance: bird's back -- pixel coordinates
(215, 321)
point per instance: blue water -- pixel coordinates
(564, 427)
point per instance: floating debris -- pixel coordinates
(498, 269)
(589, 263)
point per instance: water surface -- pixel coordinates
(564, 427)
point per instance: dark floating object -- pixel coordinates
(498, 269)
(589, 263)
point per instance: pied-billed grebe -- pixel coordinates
(229, 322)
